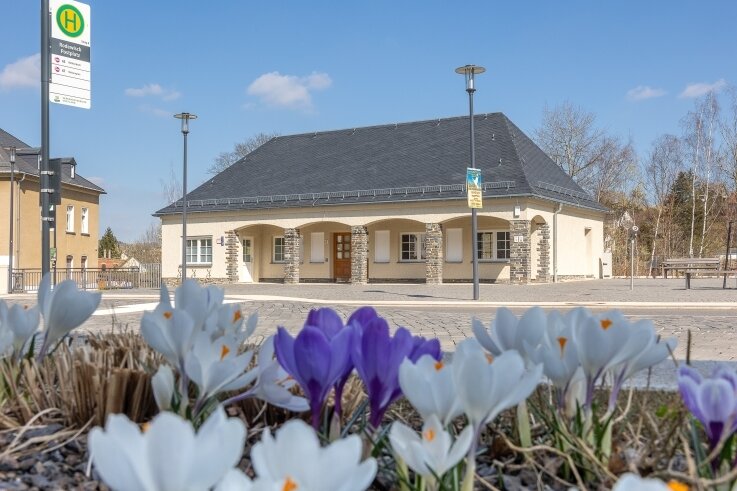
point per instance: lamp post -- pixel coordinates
(10, 241)
(469, 71)
(185, 117)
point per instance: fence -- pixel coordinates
(143, 276)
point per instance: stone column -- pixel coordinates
(519, 254)
(291, 256)
(433, 254)
(232, 247)
(359, 255)
(543, 253)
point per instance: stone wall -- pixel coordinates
(204, 280)
(291, 256)
(543, 254)
(232, 249)
(519, 254)
(359, 255)
(433, 254)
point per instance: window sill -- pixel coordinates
(382, 262)
(494, 261)
(85, 234)
(199, 265)
(278, 262)
(411, 261)
(70, 232)
(454, 262)
(318, 262)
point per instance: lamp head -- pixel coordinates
(469, 71)
(185, 117)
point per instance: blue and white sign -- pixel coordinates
(473, 187)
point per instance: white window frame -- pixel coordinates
(274, 247)
(85, 221)
(382, 247)
(420, 237)
(494, 246)
(449, 235)
(70, 219)
(197, 251)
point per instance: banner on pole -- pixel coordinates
(473, 186)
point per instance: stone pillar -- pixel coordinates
(543, 254)
(231, 256)
(359, 255)
(291, 256)
(433, 254)
(519, 254)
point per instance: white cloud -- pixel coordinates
(25, 72)
(153, 90)
(701, 88)
(642, 92)
(289, 91)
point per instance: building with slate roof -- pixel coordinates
(77, 216)
(388, 203)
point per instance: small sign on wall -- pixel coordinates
(519, 238)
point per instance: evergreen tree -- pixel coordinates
(110, 243)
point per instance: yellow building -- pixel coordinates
(77, 217)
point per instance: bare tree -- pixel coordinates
(171, 190)
(728, 130)
(240, 150)
(147, 248)
(664, 163)
(598, 162)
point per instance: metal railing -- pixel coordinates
(144, 276)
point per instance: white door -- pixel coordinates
(245, 271)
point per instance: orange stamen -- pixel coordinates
(562, 341)
(167, 315)
(236, 316)
(145, 427)
(605, 324)
(429, 435)
(224, 351)
(289, 485)
(439, 365)
(489, 358)
(677, 486)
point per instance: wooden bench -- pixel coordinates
(690, 266)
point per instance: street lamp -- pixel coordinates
(10, 245)
(469, 71)
(185, 117)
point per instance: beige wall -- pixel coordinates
(262, 225)
(27, 233)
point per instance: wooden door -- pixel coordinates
(342, 256)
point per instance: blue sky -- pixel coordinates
(245, 67)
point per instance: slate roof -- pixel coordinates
(29, 164)
(422, 160)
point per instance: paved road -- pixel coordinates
(446, 313)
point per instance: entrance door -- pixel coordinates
(245, 271)
(342, 256)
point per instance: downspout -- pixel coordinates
(18, 234)
(555, 241)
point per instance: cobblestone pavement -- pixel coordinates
(445, 313)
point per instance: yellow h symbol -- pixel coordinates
(70, 17)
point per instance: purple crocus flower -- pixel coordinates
(712, 400)
(315, 361)
(377, 356)
(330, 323)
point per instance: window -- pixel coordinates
(493, 245)
(85, 221)
(247, 251)
(454, 245)
(83, 262)
(412, 247)
(199, 251)
(278, 249)
(70, 218)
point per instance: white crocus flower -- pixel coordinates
(429, 387)
(23, 323)
(235, 480)
(63, 309)
(200, 303)
(487, 385)
(633, 482)
(295, 459)
(230, 321)
(169, 455)
(599, 341)
(507, 332)
(170, 332)
(215, 366)
(558, 353)
(162, 384)
(432, 454)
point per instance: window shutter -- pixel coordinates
(381, 246)
(454, 246)
(317, 247)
